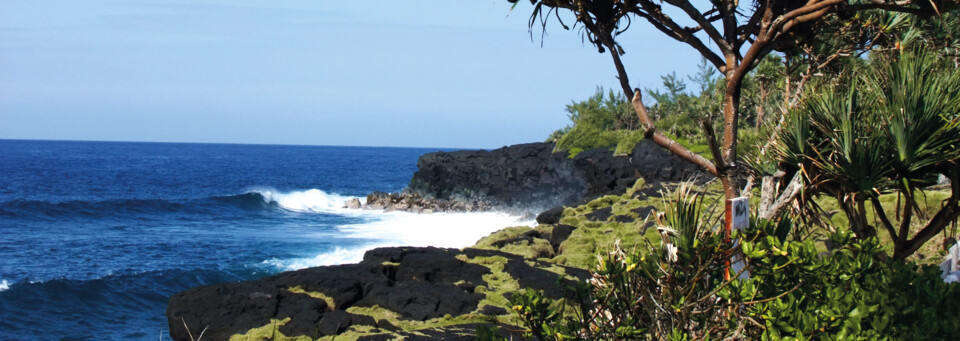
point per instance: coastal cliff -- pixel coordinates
(421, 293)
(527, 178)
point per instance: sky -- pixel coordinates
(425, 73)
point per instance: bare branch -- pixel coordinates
(666, 142)
(654, 14)
(701, 20)
(787, 196)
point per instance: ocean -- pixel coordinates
(95, 236)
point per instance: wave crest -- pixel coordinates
(308, 201)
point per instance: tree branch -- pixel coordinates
(665, 141)
(949, 213)
(884, 220)
(779, 25)
(789, 193)
(753, 24)
(907, 215)
(701, 20)
(654, 14)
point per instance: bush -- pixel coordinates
(894, 130)
(601, 121)
(677, 291)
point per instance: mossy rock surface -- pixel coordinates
(392, 293)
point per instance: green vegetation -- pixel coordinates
(592, 237)
(859, 127)
(320, 296)
(268, 332)
(806, 282)
(892, 130)
(517, 240)
(609, 121)
(599, 122)
(383, 314)
(499, 283)
(674, 289)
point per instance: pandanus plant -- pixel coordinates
(892, 131)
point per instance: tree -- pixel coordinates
(731, 36)
(893, 130)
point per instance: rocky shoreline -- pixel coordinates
(414, 202)
(421, 293)
(391, 289)
(525, 179)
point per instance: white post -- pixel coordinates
(951, 265)
(955, 257)
(738, 218)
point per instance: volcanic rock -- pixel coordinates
(415, 283)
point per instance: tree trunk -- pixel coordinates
(727, 167)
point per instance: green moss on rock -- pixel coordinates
(268, 332)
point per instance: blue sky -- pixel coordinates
(425, 73)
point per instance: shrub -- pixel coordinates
(677, 291)
(893, 131)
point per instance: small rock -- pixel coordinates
(490, 310)
(551, 216)
(642, 212)
(353, 204)
(600, 214)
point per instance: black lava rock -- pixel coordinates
(416, 283)
(600, 214)
(551, 216)
(530, 176)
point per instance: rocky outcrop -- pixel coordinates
(412, 284)
(414, 202)
(530, 177)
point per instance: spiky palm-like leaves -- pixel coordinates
(892, 132)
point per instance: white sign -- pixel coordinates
(740, 211)
(950, 268)
(739, 215)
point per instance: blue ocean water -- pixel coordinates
(95, 236)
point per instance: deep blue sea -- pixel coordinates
(95, 236)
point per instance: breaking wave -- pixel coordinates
(453, 230)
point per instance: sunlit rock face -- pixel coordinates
(530, 177)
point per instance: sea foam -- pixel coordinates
(308, 201)
(4, 285)
(454, 230)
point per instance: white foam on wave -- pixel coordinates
(337, 256)
(308, 201)
(454, 230)
(4, 285)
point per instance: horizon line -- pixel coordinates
(239, 143)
